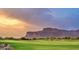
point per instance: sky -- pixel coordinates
(15, 22)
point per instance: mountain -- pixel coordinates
(53, 32)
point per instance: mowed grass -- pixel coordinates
(43, 44)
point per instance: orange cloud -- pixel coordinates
(14, 27)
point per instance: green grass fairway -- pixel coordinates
(43, 44)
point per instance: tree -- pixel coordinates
(53, 38)
(23, 38)
(9, 38)
(69, 38)
(34, 38)
(77, 38)
(1, 38)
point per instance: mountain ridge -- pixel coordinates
(52, 32)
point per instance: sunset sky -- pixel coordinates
(15, 22)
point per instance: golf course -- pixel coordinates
(43, 44)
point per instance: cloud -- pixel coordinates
(45, 17)
(37, 18)
(34, 16)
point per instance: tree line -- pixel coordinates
(48, 38)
